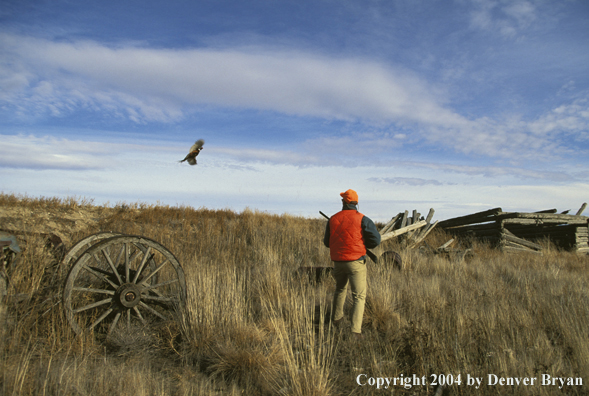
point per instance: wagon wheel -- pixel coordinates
(120, 282)
(74, 253)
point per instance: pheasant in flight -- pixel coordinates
(194, 150)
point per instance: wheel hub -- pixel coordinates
(129, 295)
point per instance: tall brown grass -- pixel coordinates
(253, 325)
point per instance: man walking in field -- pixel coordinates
(347, 236)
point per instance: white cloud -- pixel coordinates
(144, 85)
(225, 179)
(409, 181)
(523, 12)
(565, 120)
(498, 172)
(507, 17)
(290, 82)
(262, 155)
(47, 152)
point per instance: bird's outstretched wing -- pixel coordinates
(197, 145)
(194, 150)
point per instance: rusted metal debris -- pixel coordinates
(516, 232)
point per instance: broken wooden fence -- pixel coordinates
(415, 226)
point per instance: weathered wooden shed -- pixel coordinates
(520, 231)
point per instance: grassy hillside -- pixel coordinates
(252, 325)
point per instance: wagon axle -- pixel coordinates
(129, 295)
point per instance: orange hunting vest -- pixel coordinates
(345, 239)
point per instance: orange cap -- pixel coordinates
(350, 196)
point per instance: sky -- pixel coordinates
(455, 105)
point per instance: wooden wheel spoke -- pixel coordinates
(100, 318)
(134, 255)
(153, 311)
(126, 262)
(99, 270)
(93, 305)
(121, 252)
(111, 265)
(155, 271)
(73, 253)
(97, 273)
(152, 287)
(89, 290)
(156, 292)
(120, 281)
(160, 299)
(114, 323)
(146, 258)
(139, 315)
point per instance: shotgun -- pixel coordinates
(369, 253)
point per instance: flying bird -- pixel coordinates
(194, 150)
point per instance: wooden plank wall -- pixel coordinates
(521, 232)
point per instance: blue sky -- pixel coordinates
(456, 105)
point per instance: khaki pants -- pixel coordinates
(353, 272)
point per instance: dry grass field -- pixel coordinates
(252, 325)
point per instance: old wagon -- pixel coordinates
(117, 282)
